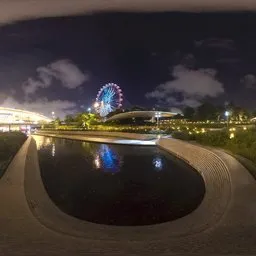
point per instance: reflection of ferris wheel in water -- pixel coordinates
(109, 98)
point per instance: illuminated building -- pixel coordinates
(18, 116)
(143, 114)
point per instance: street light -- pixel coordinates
(89, 110)
(227, 114)
(157, 116)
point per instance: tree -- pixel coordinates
(137, 108)
(178, 116)
(69, 119)
(239, 113)
(220, 112)
(189, 112)
(86, 119)
(57, 122)
(207, 111)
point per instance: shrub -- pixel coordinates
(10, 143)
(244, 142)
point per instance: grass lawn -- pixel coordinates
(10, 143)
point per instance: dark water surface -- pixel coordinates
(117, 184)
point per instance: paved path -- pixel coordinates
(23, 234)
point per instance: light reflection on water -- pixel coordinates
(53, 150)
(105, 158)
(44, 142)
(158, 163)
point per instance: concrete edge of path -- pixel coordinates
(115, 134)
(205, 217)
(111, 140)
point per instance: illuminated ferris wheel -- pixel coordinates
(109, 98)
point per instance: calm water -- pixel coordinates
(117, 185)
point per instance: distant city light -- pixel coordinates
(89, 109)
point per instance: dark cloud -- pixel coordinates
(188, 61)
(13, 10)
(221, 43)
(249, 81)
(228, 60)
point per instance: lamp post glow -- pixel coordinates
(232, 135)
(157, 116)
(89, 110)
(227, 114)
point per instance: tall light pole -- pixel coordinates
(157, 116)
(227, 114)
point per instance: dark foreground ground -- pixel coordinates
(10, 143)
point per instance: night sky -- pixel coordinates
(165, 59)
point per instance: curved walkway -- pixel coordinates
(22, 233)
(120, 139)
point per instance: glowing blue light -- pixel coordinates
(107, 159)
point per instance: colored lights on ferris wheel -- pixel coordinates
(96, 104)
(110, 98)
